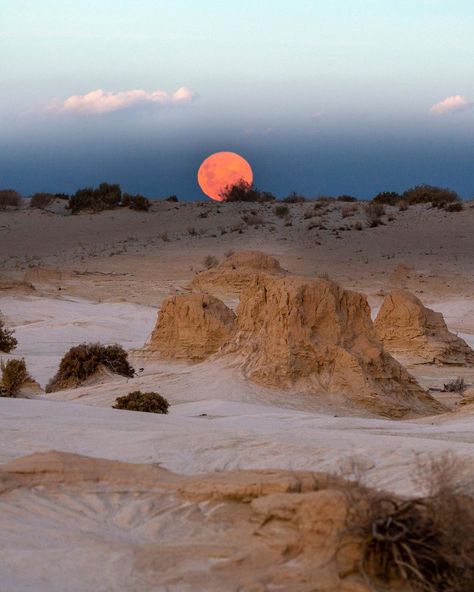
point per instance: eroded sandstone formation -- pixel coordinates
(410, 330)
(311, 335)
(191, 327)
(237, 271)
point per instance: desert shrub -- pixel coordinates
(294, 198)
(7, 341)
(425, 544)
(347, 198)
(136, 202)
(243, 191)
(437, 196)
(281, 211)
(453, 207)
(104, 197)
(348, 211)
(14, 374)
(388, 198)
(403, 206)
(374, 213)
(9, 198)
(457, 385)
(191, 231)
(210, 261)
(138, 401)
(172, 198)
(357, 226)
(41, 200)
(81, 361)
(325, 200)
(164, 237)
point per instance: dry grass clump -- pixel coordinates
(374, 213)
(457, 385)
(138, 401)
(425, 544)
(41, 200)
(14, 375)
(348, 211)
(83, 360)
(294, 198)
(210, 261)
(9, 198)
(7, 341)
(346, 198)
(281, 211)
(388, 198)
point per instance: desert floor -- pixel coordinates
(102, 277)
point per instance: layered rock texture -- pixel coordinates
(237, 271)
(246, 531)
(410, 330)
(191, 327)
(314, 336)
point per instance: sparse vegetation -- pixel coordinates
(242, 191)
(191, 231)
(136, 202)
(374, 213)
(388, 198)
(172, 198)
(437, 196)
(83, 360)
(9, 198)
(425, 544)
(453, 207)
(138, 401)
(458, 386)
(294, 198)
(253, 219)
(41, 200)
(14, 374)
(348, 211)
(7, 341)
(281, 211)
(347, 198)
(210, 261)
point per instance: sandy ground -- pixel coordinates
(102, 278)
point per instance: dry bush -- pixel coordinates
(437, 196)
(403, 206)
(191, 231)
(325, 200)
(348, 211)
(210, 261)
(14, 374)
(357, 226)
(41, 200)
(294, 198)
(453, 207)
(374, 213)
(388, 198)
(7, 341)
(457, 385)
(243, 191)
(9, 198)
(281, 211)
(172, 199)
(164, 237)
(135, 202)
(104, 197)
(425, 543)
(138, 401)
(83, 360)
(346, 198)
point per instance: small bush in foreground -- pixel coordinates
(425, 544)
(281, 211)
(9, 197)
(138, 401)
(83, 360)
(14, 374)
(7, 341)
(455, 386)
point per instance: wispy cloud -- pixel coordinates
(98, 102)
(452, 104)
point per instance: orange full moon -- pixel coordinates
(221, 170)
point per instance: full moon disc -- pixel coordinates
(222, 170)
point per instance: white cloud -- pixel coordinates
(451, 105)
(98, 102)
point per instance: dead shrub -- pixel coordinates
(374, 213)
(7, 341)
(453, 207)
(348, 211)
(83, 360)
(9, 198)
(41, 200)
(210, 261)
(357, 226)
(281, 211)
(294, 198)
(14, 375)
(346, 198)
(191, 231)
(457, 385)
(425, 543)
(137, 401)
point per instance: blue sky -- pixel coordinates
(352, 96)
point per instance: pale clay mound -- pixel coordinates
(237, 271)
(241, 531)
(191, 327)
(295, 333)
(409, 329)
